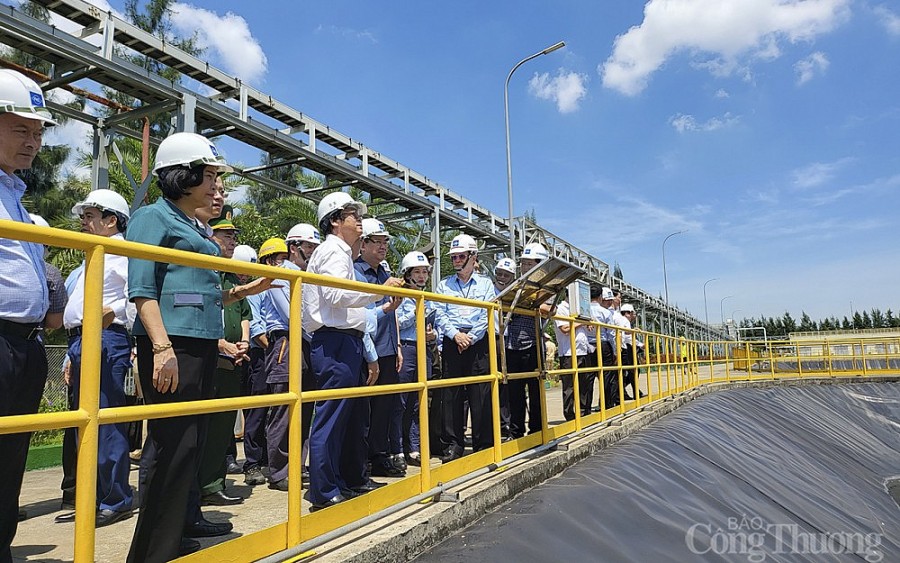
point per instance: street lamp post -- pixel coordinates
(706, 308)
(512, 228)
(722, 312)
(666, 279)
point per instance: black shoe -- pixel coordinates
(304, 475)
(188, 546)
(350, 494)
(414, 459)
(254, 476)
(203, 528)
(232, 467)
(385, 468)
(337, 499)
(107, 517)
(219, 498)
(279, 485)
(368, 487)
(451, 455)
(22, 515)
(399, 462)
(642, 395)
(65, 518)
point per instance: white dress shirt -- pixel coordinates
(563, 341)
(115, 292)
(329, 306)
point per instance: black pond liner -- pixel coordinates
(780, 474)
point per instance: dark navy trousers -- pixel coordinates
(409, 373)
(23, 373)
(337, 442)
(255, 419)
(113, 464)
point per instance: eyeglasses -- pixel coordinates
(348, 214)
(457, 257)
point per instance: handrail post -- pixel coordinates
(422, 377)
(89, 402)
(542, 389)
(495, 384)
(862, 352)
(576, 389)
(294, 523)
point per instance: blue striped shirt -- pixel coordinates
(464, 317)
(24, 295)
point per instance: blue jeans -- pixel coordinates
(113, 464)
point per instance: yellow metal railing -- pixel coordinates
(669, 366)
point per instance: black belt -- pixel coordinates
(348, 331)
(76, 331)
(28, 331)
(276, 334)
(408, 342)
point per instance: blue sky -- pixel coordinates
(766, 128)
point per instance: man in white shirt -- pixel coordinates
(105, 213)
(337, 318)
(581, 352)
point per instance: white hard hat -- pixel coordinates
(244, 253)
(374, 228)
(506, 264)
(387, 267)
(303, 232)
(104, 200)
(20, 95)
(38, 220)
(339, 200)
(463, 243)
(607, 294)
(627, 308)
(535, 251)
(413, 260)
(188, 149)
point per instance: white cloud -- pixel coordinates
(228, 37)
(348, 33)
(730, 30)
(566, 88)
(808, 68)
(684, 122)
(889, 20)
(721, 93)
(817, 173)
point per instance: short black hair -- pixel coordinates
(121, 220)
(596, 291)
(325, 225)
(176, 181)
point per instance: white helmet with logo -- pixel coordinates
(188, 150)
(412, 260)
(245, 253)
(506, 264)
(20, 95)
(463, 243)
(104, 200)
(535, 251)
(374, 228)
(303, 232)
(339, 200)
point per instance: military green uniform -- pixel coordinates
(227, 384)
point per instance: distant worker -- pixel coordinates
(105, 213)
(465, 351)
(386, 411)
(504, 274)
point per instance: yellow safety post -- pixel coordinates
(542, 368)
(295, 445)
(619, 370)
(599, 332)
(89, 403)
(799, 365)
(862, 352)
(771, 361)
(658, 370)
(576, 389)
(726, 348)
(495, 385)
(422, 377)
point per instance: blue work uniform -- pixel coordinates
(255, 453)
(385, 433)
(473, 361)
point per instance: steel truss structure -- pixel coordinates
(230, 108)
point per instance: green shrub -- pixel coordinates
(48, 437)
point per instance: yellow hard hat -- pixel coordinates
(272, 246)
